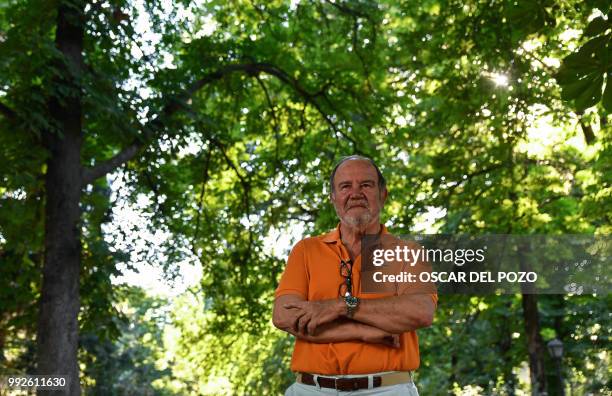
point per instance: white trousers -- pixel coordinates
(407, 389)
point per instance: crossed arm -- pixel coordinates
(375, 321)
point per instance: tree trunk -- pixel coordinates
(505, 345)
(59, 307)
(535, 346)
(558, 303)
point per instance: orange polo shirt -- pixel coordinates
(313, 272)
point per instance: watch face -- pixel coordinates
(352, 301)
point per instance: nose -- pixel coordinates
(356, 194)
(357, 189)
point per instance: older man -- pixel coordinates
(348, 340)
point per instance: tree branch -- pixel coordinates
(274, 118)
(357, 50)
(347, 10)
(270, 104)
(91, 174)
(587, 130)
(246, 185)
(178, 102)
(255, 68)
(470, 176)
(205, 178)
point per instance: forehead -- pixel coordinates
(355, 170)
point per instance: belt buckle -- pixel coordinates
(346, 384)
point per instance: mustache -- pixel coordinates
(357, 202)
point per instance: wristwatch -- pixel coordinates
(352, 303)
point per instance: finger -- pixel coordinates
(312, 326)
(303, 322)
(396, 341)
(296, 320)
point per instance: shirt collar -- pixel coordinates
(334, 235)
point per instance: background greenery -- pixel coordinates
(493, 114)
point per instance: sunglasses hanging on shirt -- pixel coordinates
(346, 271)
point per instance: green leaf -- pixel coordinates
(607, 95)
(573, 88)
(593, 53)
(590, 95)
(581, 74)
(597, 26)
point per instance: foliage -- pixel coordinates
(128, 365)
(480, 341)
(491, 113)
(207, 360)
(583, 72)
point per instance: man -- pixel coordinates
(348, 340)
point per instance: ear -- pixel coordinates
(383, 195)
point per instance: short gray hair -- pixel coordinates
(382, 183)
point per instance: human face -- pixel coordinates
(356, 196)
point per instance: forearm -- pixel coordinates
(341, 330)
(396, 314)
(337, 331)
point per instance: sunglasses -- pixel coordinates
(346, 271)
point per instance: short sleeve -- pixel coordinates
(418, 287)
(295, 277)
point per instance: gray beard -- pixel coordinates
(355, 221)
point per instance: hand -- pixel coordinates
(311, 314)
(373, 335)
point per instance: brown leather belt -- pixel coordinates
(355, 383)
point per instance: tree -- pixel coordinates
(65, 110)
(228, 117)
